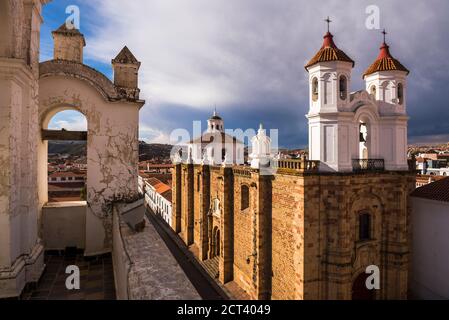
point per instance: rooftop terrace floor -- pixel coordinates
(96, 278)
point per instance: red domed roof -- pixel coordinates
(385, 62)
(329, 52)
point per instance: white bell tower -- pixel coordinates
(386, 82)
(329, 82)
(362, 130)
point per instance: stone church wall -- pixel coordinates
(298, 238)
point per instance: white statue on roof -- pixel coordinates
(261, 149)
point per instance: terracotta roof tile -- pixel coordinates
(329, 52)
(385, 62)
(168, 195)
(159, 186)
(438, 190)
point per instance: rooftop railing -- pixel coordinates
(299, 165)
(370, 165)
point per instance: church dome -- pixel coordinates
(385, 62)
(215, 123)
(329, 52)
(215, 117)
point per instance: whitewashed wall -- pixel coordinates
(430, 255)
(158, 203)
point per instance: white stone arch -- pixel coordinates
(44, 120)
(112, 148)
(328, 88)
(367, 113)
(347, 75)
(388, 91)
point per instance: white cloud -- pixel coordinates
(68, 120)
(150, 135)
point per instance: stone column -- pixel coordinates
(176, 196)
(187, 215)
(226, 259)
(21, 251)
(263, 231)
(205, 207)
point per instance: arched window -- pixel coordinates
(63, 123)
(400, 93)
(343, 85)
(373, 90)
(314, 89)
(364, 226)
(363, 140)
(216, 211)
(244, 203)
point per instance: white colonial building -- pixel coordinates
(158, 196)
(363, 128)
(214, 146)
(430, 226)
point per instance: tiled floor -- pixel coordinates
(96, 278)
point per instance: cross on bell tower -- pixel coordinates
(384, 34)
(328, 21)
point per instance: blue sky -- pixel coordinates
(247, 58)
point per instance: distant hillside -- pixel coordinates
(154, 151)
(74, 148)
(78, 148)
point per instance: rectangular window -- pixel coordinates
(364, 226)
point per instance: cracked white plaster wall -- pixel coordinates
(112, 145)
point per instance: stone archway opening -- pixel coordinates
(359, 289)
(67, 156)
(215, 243)
(364, 139)
(63, 177)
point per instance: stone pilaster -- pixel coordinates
(263, 239)
(226, 259)
(204, 211)
(176, 198)
(187, 215)
(21, 251)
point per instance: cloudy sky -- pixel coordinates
(247, 57)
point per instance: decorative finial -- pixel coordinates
(328, 20)
(215, 109)
(385, 34)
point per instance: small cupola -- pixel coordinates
(126, 69)
(215, 123)
(68, 43)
